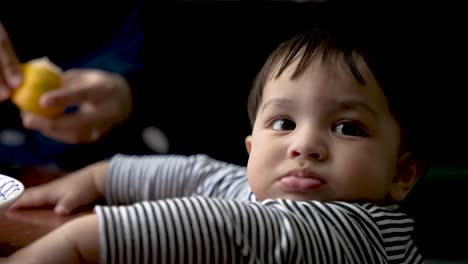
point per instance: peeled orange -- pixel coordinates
(39, 76)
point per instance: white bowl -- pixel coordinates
(10, 190)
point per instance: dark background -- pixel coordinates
(205, 61)
(203, 57)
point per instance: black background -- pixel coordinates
(202, 58)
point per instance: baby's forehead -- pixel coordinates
(335, 63)
(332, 78)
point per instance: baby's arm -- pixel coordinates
(131, 179)
(76, 241)
(80, 188)
(205, 230)
(208, 230)
(153, 177)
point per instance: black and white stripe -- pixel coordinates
(221, 225)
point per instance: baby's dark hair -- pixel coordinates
(345, 43)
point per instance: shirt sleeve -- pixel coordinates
(152, 177)
(210, 230)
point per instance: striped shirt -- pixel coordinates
(194, 209)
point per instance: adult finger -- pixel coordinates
(79, 127)
(10, 67)
(79, 87)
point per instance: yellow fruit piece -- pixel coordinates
(39, 76)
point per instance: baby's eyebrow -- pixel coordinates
(352, 104)
(332, 106)
(276, 103)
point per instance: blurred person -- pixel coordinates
(100, 55)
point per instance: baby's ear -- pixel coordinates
(248, 143)
(409, 170)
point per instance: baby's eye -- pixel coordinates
(283, 124)
(350, 129)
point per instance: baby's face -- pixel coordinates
(323, 136)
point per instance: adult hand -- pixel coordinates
(104, 100)
(10, 67)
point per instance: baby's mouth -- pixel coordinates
(301, 180)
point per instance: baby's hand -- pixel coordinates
(77, 189)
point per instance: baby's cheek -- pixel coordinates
(259, 176)
(365, 171)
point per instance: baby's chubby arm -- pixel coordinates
(80, 188)
(76, 241)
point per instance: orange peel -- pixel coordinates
(39, 76)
